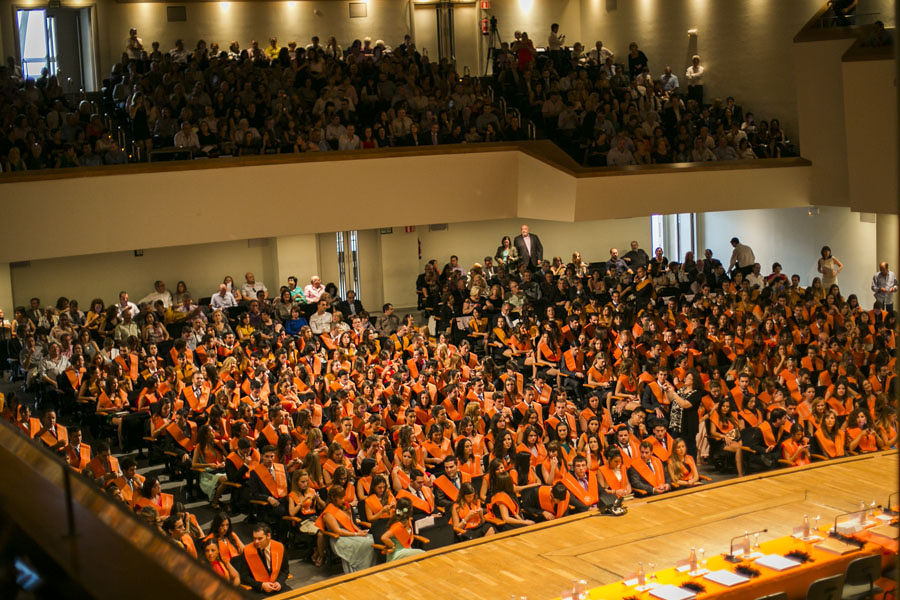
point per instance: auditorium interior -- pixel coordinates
(429, 299)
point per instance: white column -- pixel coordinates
(6, 295)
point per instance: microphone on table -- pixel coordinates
(730, 557)
(887, 508)
(833, 532)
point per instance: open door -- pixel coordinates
(61, 40)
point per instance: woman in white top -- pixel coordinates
(829, 267)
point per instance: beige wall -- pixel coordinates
(210, 205)
(870, 114)
(400, 264)
(202, 267)
(627, 195)
(295, 255)
(255, 201)
(794, 237)
(818, 79)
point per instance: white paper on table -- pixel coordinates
(423, 523)
(687, 567)
(885, 518)
(812, 537)
(671, 592)
(776, 562)
(726, 578)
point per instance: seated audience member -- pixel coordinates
(263, 565)
(647, 474)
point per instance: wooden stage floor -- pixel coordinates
(544, 561)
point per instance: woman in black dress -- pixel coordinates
(140, 128)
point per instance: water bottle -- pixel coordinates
(640, 574)
(805, 526)
(746, 543)
(692, 561)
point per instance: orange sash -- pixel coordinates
(178, 435)
(446, 486)
(502, 498)
(613, 482)
(196, 404)
(662, 453)
(61, 436)
(833, 448)
(99, 469)
(463, 511)
(254, 561)
(375, 504)
(403, 535)
(340, 516)
(867, 443)
(277, 486)
(589, 496)
(79, 461)
(426, 505)
(546, 500)
(656, 478)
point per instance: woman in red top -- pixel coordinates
(217, 564)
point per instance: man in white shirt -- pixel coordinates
(124, 303)
(694, 77)
(134, 45)
(252, 287)
(186, 137)
(320, 321)
(160, 293)
(599, 54)
(178, 53)
(314, 290)
(349, 140)
(742, 258)
(222, 298)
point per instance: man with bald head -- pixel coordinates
(252, 287)
(530, 250)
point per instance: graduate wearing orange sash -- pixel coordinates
(264, 566)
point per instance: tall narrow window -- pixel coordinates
(342, 267)
(354, 254)
(675, 234)
(37, 41)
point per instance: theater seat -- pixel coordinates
(860, 578)
(827, 588)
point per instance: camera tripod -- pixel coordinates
(493, 44)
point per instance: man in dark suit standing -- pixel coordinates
(530, 250)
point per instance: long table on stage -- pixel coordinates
(543, 561)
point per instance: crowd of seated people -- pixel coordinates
(537, 389)
(211, 101)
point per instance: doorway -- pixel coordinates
(447, 29)
(60, 40)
